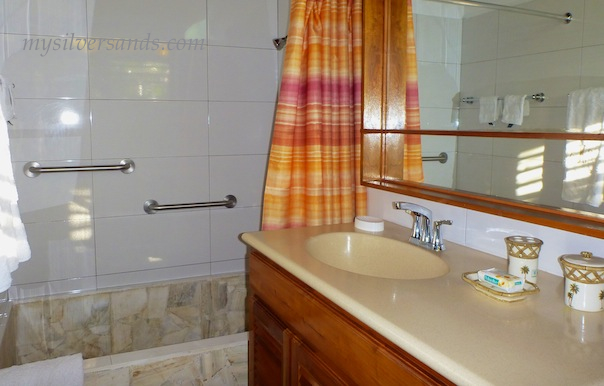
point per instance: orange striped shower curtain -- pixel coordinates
(314, 175)
(412, 162)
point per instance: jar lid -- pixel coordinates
(586, 259)
(583, 268)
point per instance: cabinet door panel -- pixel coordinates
(308, 370)
(337, 344)
(266, 348)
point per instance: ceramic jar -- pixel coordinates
(523, 254)
(583, 281)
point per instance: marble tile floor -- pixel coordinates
(218, 361)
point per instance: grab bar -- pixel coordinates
(539, 97)
(567, 18)
(151, 206)
(34, 169)
(442, 158)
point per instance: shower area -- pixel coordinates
(174, 102)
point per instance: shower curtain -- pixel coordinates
(412, 151)
(314, 175)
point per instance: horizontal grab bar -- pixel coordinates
(567, 17)
(442, 158)
(539, 97)
(151, 206)
(34, 169)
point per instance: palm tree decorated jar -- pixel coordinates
(523, 254)
(583, 281)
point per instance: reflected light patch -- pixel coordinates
(81, 234)
(69, 118)
(537, 151)
(153, 259)
(529, 189)
(529, 163)
(529, 176)
(578, 173)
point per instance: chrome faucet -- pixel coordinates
(438, 243)
(422, 233)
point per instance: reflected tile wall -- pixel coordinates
(195, 119)
(510, 54)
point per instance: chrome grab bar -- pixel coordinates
(151, 206)
(539, 97)
(442, 158)
(567, 17)
(34, 169)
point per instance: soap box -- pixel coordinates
(502, 280)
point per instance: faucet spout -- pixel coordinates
(422, 231)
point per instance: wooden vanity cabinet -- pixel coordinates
(299, 337)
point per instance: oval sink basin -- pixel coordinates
(377, 256)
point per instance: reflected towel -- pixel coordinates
(584, 160)
(14, 248)
(490, 109)
(62, 371)
(514, 107)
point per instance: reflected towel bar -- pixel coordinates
(539, 97)
(151, 206)
(34, 169)
(442, 158)
(567, 18)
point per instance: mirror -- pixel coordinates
(465, 53)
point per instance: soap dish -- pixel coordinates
(496, 293)
(369, 224)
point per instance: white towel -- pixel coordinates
(490, 109)
(62, 371)
(585, 110)
(6, 99)
(584, 162)
(14, 248)
(514, 109)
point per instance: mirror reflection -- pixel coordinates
(488, 71)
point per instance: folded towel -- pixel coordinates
(513, 109)
(490, 109)
(14, 248)
(62, 371)
(584, 162)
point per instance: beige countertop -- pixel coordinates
(463, 334)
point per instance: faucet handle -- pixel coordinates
(438, 243)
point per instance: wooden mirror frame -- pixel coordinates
(384, 29)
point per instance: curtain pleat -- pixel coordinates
(412, 163)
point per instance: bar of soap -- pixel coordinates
(502, 280)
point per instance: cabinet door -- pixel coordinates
(308, 370)
(268, 340)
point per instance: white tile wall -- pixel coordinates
(486, 232)
(51, 129)
(45, 17)
(196, 121)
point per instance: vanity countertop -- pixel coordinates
(461, 333)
